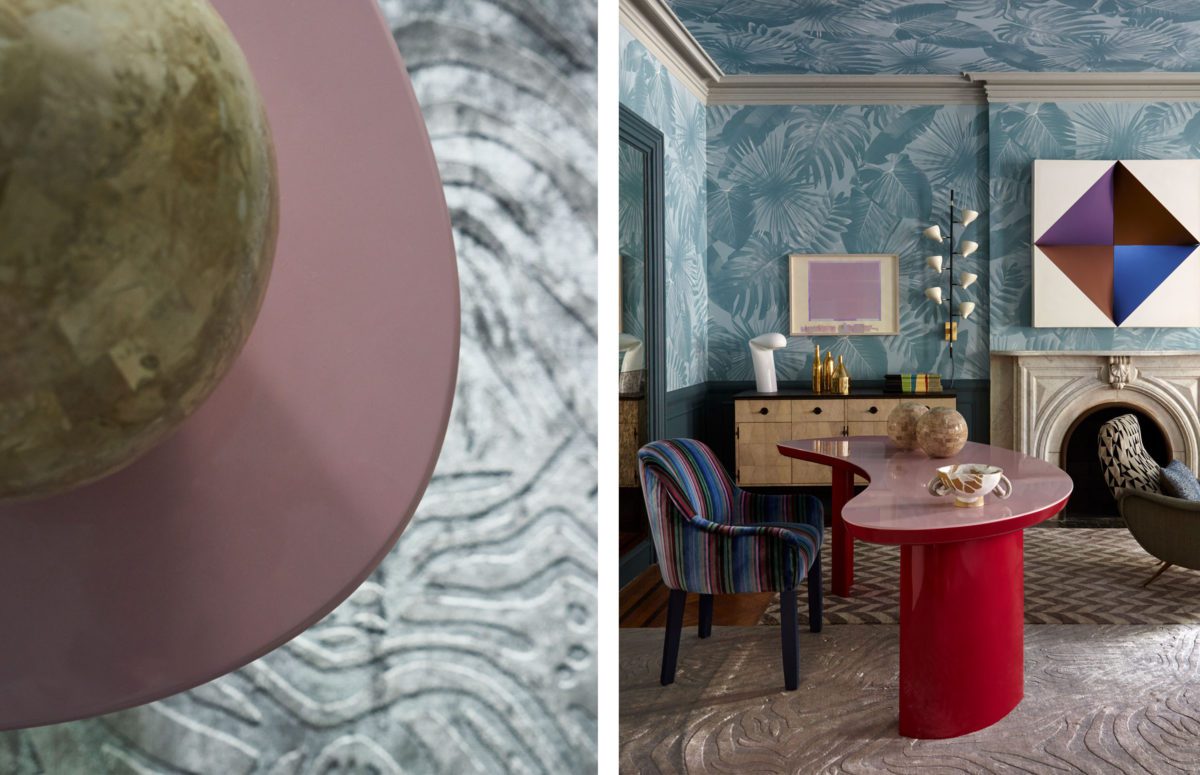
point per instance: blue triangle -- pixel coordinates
(1138, 270)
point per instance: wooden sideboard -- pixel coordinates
(631, 439)
(763, 420)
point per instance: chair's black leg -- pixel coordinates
(675, 605)
(816, 597)
(791, 645)
(706, 606)
(1161, 570)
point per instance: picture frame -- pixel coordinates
(844, 294)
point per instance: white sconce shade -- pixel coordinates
(969, 247)
(934, 233)
(967, 279)
(966, 308)
(935, 263)
(934, 295)
(968, 216)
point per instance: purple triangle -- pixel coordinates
(1089, 221)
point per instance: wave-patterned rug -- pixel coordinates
(1072, 576)
(1098, 699)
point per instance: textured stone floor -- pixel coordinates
(1098, 699)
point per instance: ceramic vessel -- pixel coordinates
(970, 482)
(139, 220)
(942, 432)
(902, 424)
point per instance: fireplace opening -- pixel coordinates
(1091, 499)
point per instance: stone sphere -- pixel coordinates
(902, 424)
(942, 432)
(138, 215)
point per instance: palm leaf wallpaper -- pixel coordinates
(649, 90)
(892, 36)
(866, 178)
(839, 178)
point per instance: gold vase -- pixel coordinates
(816, 371)
(827, 374)
(841, 378)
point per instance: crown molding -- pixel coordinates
(844, 90)
(1089, 87)
(658, 28)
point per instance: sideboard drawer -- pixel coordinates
(757, 410)
(934, 403)
(819, 410)
(870, 409)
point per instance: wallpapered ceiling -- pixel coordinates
(840, 178)
(444, 661)
(1022, 132)
(952, 36)
(648, 89)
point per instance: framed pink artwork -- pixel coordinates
(844, 294)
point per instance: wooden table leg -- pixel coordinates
(962, 634)
(843, 543)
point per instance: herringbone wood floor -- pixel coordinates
(1075, 576)
(1072, 576)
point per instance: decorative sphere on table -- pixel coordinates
(942, 432)
(138, 218)
(902, 424)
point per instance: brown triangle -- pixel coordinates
(1139, 218)
(1090, 267)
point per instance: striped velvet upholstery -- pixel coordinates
(714, 538)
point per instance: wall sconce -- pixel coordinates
(964, 309)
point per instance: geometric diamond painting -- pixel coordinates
(1116, 243)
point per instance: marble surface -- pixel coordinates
(139, 213)
(896, 508)
(471, 648)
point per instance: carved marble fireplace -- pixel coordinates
(1038, 396)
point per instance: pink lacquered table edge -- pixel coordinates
(436, 248)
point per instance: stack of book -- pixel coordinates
(912, 383)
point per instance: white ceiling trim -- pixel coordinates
(844, 89)
(1088, 87)
(660, 31)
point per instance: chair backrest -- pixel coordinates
(1126, 463)
(681, 478)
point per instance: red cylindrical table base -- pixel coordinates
(962, 634)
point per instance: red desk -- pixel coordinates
(962, 591)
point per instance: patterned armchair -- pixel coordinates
(1168, 528)
(713, 538)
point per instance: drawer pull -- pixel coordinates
(873, 410)
(763, 410)
(817, 410)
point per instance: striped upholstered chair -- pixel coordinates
(715, 539)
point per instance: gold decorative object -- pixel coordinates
(827, 373)
(841, 378)
(137, 228)
(817, 374)
(902, 424)
(942, 432)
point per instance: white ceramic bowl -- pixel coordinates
(969, 482)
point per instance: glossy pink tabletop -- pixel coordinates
(285, 490)
(896, 508)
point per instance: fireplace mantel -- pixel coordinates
(1036, 396)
